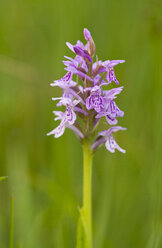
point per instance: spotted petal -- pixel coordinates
(111, 144)
(58, 131)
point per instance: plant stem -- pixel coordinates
(87, 192)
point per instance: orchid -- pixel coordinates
(111, 111)
(95, 100)
(109, 67)
(67, 118)
(106, 137)
(86, 100)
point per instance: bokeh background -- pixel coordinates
(45, 174)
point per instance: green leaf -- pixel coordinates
(82, 232)
(80, 235)
(3, 178)
(12, 223)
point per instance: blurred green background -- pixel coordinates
(45, 174)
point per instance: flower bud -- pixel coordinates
(91, 48)
(87, 34)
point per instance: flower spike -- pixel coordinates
(84, 98)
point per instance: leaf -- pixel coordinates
(11, 244)
(3, 178)
(80, 235)
(82, 232)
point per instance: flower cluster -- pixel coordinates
(84, 99)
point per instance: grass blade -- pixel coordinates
(80, 237)
(12, 223)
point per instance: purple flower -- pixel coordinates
(95, 100)
(79, 62)
(111, 111)
(103, 103)
(74, 104)
(109, 67)
(110, 143)
(79, 51)
(79, 44)
(111, 94)
(77, 67)
(68, 89)
(67, 78)
(84, 97)
(66, 85)
(67, 118)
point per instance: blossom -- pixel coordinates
(111, 94)
(95, 100)
(83, 53)
(68, 89)
(77, 66)
(79, 44)
(107, 138)
(67, 118)
(67, 78)
(66, 85)
(84, 98)
(111, 112)
(109, 67)
(74, 105)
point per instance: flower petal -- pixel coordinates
(111, 145)
(70, 46)
(58, 131)
(79, 51)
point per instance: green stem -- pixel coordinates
(87, 192)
